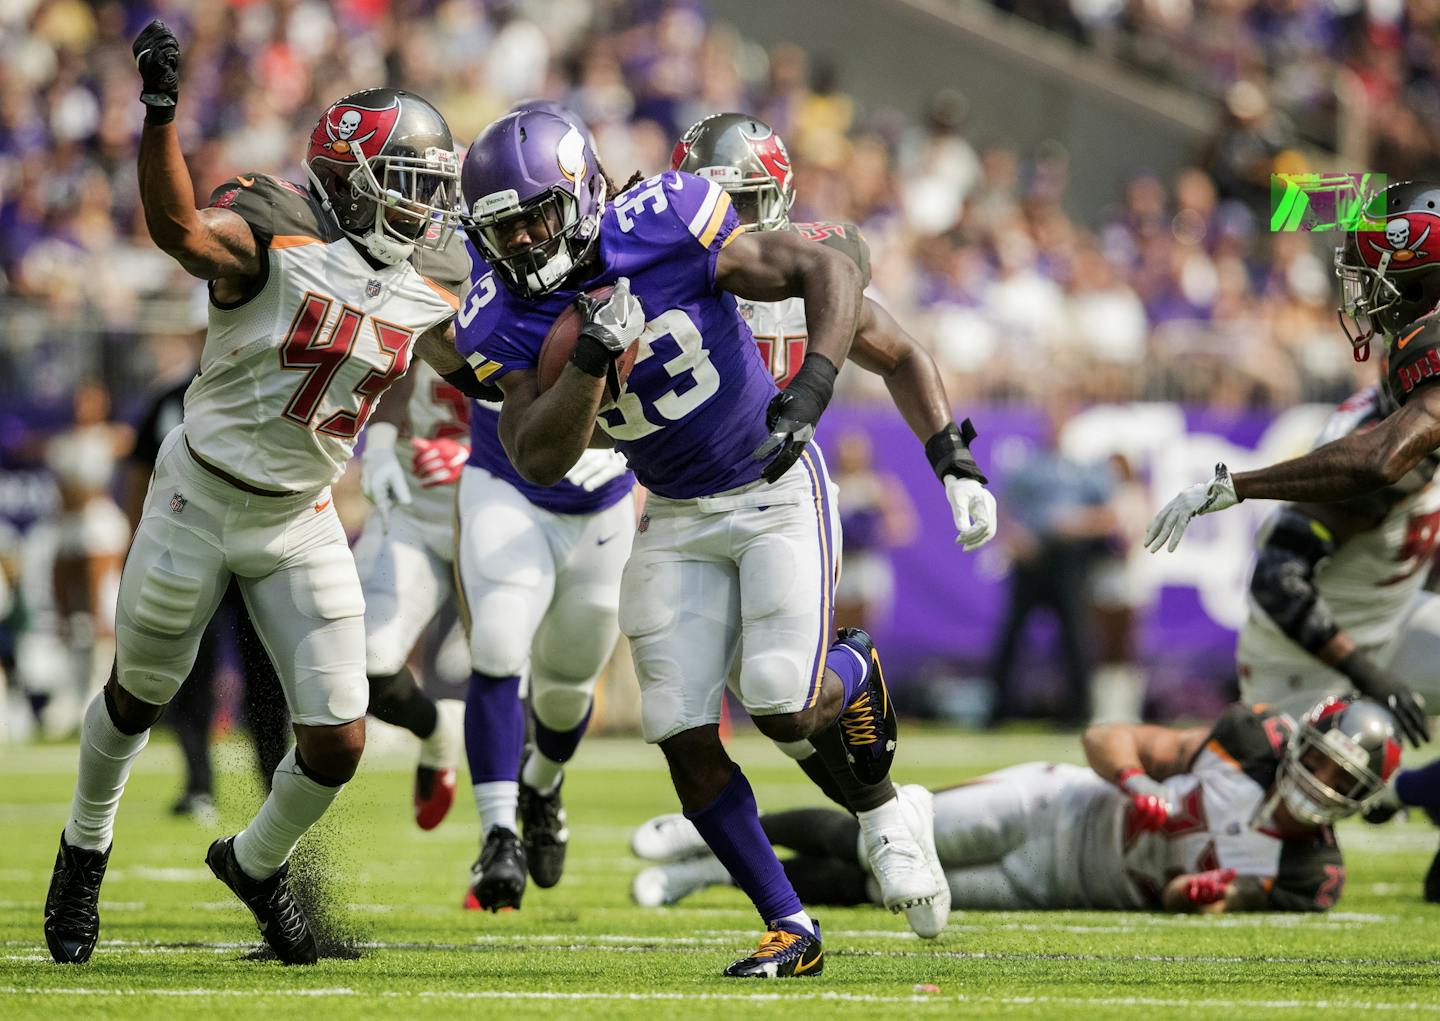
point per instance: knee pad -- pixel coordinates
(499, 634)
(797, 750)
(152, 666)
(560, 704)
(772, 683)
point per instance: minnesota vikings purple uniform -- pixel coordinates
(720, 552)
(693, 409)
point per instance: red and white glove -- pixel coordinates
(1208, 887)
(438, 462)
(1149, 799)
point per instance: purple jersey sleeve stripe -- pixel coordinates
(820, 492)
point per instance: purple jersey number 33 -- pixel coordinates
(693, 410)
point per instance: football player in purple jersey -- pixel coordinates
(748, 159)
(737, 546)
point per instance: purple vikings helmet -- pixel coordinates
(535, 195)
(566, 114)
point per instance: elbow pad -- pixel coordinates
(464, 380)
(1284, 580)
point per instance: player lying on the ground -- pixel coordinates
(1232, 818)
(319, 295)
(734, 543)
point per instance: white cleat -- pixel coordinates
(660, 885)
(667, 838)
(897, 862)
(927, 918)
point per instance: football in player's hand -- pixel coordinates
(560, 344)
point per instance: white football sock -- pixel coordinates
(496, 802)
(540, 773)
(441, 750)
(296, 803)
(886, 818)
(106, 756)
(801, 919)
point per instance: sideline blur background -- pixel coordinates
(1066, 201)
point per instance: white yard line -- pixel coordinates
(690, 997)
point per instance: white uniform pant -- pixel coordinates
(1292, 680)
(406, 573)
(754, 569)
(293, 567)
(1009, 839)
(540, 591)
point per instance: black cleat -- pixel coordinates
(786, 951)
(498, 875)
(281, 920)
(72, 907)
(544, 834)
(868, 727)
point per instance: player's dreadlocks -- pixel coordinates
(610, 188)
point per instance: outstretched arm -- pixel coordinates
(1214, 892)
(1355, 464)
(883, 347)
(212, 244)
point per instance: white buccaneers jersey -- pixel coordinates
(1216, 802)
(1372, 578)
(289, 376)
(436, 411)
(779, 326)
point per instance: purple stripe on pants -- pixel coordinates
(820, 492)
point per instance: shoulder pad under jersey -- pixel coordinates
(844, 238)
(1413, 358)
(279, 212)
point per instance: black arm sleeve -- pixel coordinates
(464, 380)
(1284, 580)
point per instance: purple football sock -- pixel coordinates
(494, 728)
(560, 745)
(1420, 787)
(850, 664)
(731, 827)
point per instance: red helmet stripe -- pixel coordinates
(1392, 758)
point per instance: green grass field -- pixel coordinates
(175, 944)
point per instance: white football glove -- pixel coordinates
(973, 507)
(1175, 516)
(615, 321)
(382, 479)
(595, 468)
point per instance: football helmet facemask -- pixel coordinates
(383, 162)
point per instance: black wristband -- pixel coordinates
(159, 114)
(815, 380)
(464, 380)
(949, 453)
(1368, 676)
(591, 357)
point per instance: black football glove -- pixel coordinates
(157, 55)
(792, 415)
(1374, 682)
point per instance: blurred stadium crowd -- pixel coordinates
(1326, 65)
(1175, 290)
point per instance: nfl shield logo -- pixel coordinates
(644, 525)
(177, 503)
(372, 289)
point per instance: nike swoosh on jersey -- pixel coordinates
(1400, 344)
(321, 506)
(602, 542)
